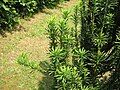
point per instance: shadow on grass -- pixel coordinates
(47, 81)
(3, 32)
(46, 12)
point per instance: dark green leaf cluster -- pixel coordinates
(98, 35)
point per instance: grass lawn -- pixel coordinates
(30, 37)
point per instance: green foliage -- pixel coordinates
(98, 35)
(68, 78)
(10, 10)
(53, 33)
(97, 17)
(115, 78)
(64, 46)
(24, 60)
(57, 55)
(7, 15)
(65, 14)
(75, 19)
(93, 50)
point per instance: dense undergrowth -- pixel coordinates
(10, 10)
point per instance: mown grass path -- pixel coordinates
(29, 37)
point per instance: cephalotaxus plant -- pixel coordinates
(63, 30)
(53, 33)
(97, 52)
(65, 38)
(65, 14)
(98, 34)
(75, 29)
(80, 55)
(57, 57)
(67, 78)
(113, 83)
(97, 15)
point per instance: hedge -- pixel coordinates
(10, 10)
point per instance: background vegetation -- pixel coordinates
(10, 10)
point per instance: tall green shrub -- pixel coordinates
(65, 48)
(94, 49)
(98, 34)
